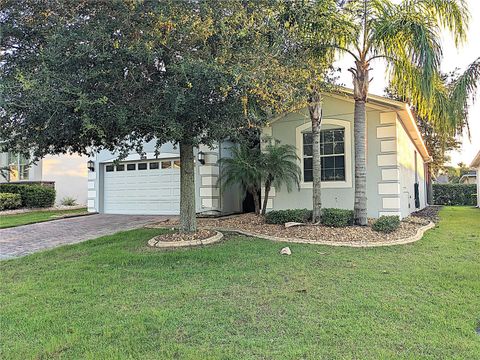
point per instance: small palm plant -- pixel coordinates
(243, 168)
(279, 167)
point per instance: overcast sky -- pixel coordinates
(452, 58)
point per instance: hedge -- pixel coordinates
(291, 215)
(337, 217)
(9, 201)
(386, 224)
(33, 196)
(454, 194)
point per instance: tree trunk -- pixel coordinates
(188, 221)
(315, 110)
(256, 200)
(268, 184)
(360, 85)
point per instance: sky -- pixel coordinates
(452, 58)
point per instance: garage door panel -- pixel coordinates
(155, 191)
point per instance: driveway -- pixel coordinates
(27, 239)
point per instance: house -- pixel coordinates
(396, 177)
(67, 173)
(469, 178)
(476, 165)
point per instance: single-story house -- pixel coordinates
(67, 173)
(396, 167)
(469, 178)
(476, 165)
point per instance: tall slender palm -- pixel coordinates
(243, 168)
(279, 167)
(407, 37)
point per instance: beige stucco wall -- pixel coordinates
(387, 167)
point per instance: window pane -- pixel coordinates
(142, 166)
(339, 135)
(328, 149)
(307, 138)
(120, 167)
(176, 164)
(307, 150)
(166, 164)
(328, 175)
(340, 174)
(338, 148)
(307, 175)
(329, 162)
(308, 163)
(339, 161)
(328, 136)
(154, 165)
(109, 168)
(131, 167)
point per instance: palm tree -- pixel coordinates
(279, 166)
(406, 36)
(243, 168)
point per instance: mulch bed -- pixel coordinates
(429, 213)
(201, 234)
(256, 224)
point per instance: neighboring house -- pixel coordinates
(442, 179)
(396, 169)
(469, 178)
(476, 165)
(67, 172)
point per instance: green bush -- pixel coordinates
(291, 215)
(337, 217)
(454, 194)
(33, 196)
(9, 201)
(68, 201)
(386, 224)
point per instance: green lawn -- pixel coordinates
(112, 298)
(34, 217)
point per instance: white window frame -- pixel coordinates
(347, 183)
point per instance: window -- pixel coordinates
(166, 164)
(18, 167)
(142, 166)
(131, 167)
(332, 153)
(109, 168)
(176, 164)
(120, 167)
(153, 165)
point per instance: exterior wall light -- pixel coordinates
(201, 157)
(91, 165)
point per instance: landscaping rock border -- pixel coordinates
(175, 244)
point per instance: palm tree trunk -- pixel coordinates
(268, 184)
(360, 85)
(188, 221)
(256, 200)
(315, 110)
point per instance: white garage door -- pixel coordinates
(142, 188)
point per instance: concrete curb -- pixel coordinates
(175, 244)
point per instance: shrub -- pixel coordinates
(291, 215)
(386, 224)
(68, 201)
(454, 194)
(9, 201)
(32, 195)
(337, 217)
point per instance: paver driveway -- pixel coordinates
(26, 239)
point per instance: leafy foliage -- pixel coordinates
(386, 224)
(9, 201)
(33, 196)
(290, 215)
(455, 194)
(337, 217)
(68, 201)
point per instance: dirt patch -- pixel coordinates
(201, 234)
(354, 234)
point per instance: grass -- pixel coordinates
(35, 217)
(112, 298)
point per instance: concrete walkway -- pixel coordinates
(27, 239)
